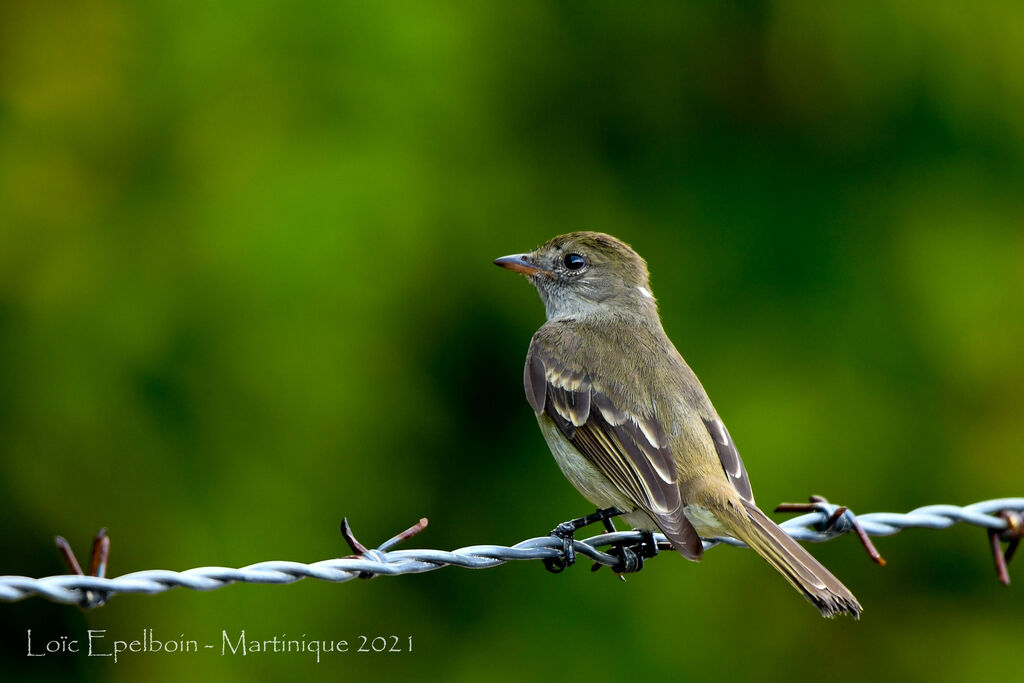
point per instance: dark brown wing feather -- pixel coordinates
(732, 463)
(630, 449)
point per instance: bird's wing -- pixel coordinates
(732, 463)
(628, 447)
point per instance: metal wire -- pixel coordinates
(91, 591)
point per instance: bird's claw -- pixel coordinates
(566, 532)
(631, 557)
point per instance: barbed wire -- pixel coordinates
(823, 522)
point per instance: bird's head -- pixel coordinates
(585, 273)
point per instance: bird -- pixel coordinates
(628, 422)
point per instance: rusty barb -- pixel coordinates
(361, 551)
(97, 566)
(1012, 535)
(839, 519)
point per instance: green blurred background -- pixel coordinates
(246, 289)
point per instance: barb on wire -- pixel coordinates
(1001, 518)
(1012, 534)
(818, 503)
(361, 550)
(97, 566)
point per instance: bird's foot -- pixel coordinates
(631, 557)
(566, 532)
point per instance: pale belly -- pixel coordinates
(580, 472)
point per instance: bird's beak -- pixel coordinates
(520, 263)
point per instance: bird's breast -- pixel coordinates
(580, 472)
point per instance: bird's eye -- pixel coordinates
(574, 261)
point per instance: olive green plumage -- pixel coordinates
(628, 421)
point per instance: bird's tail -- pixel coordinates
(790, 559)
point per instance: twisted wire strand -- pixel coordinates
(83, 590)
